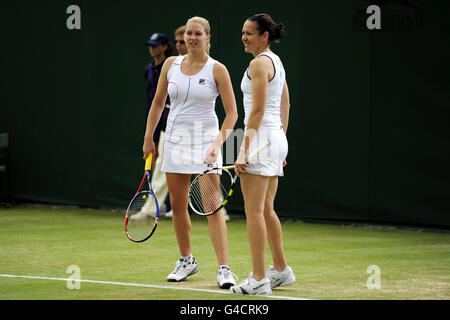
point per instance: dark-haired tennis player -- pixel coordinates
(193, 138)
(266, 103)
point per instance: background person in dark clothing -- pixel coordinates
(160, 49)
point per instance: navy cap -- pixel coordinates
(156, 39)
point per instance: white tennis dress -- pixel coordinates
(192, 124)
(270, 161)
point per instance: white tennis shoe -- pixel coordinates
(252, 287)
(225, 278)
(183, 269)
(280, 278)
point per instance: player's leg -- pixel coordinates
(186, 266)
(273, 225)
(254, 189)
(280, 274)
(219, 236)
(178, 185)
(217, 227)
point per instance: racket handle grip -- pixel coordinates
(148, 162)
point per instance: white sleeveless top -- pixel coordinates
(192, 118)
(271, 117)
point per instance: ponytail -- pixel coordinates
(266, 23)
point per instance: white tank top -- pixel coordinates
(192, 117)
(271, 117)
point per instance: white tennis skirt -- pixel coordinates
(186, 158)
(269, 162)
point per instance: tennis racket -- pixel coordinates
(211, 190)
(141, 218)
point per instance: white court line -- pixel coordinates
(138, 285)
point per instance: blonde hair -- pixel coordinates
(205, 24)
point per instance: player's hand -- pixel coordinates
(212, 154)
(240, 166)
(149, 147)
(284, 163)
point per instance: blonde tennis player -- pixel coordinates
(193, 139)
(266, 104)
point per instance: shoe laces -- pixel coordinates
(181, 263)
(226, 273)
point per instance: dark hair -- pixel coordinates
(266, 23)
(169, 50)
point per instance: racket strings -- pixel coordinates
(208, 191)
(141, 215)
(142, 203)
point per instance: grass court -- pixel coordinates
(39, 244)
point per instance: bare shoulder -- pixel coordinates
(220, 67)
(261, 65)
(171, 59)
(219, 70)
(168, 63)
